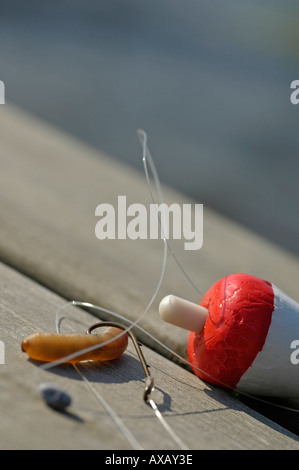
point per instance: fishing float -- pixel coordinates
(241, 335)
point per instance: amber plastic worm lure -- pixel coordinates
(50, 347)
(74, 348)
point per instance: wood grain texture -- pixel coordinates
(50, 185)
(202, 416)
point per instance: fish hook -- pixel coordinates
(149, 383)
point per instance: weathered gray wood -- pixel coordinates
(50, 185)
(202, 416)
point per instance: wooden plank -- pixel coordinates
(50, 185)
(204, 417)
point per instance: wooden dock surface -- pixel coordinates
(50, 187)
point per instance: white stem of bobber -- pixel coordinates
(183, 313)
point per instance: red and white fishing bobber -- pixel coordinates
(241, 335)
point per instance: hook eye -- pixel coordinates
(149, 384)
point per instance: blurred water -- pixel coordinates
(208, 81)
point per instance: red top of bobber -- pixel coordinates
(240, 309)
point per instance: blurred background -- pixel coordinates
(209, 81)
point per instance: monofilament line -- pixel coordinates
(175, 437)
(115, 418)
(147, 157)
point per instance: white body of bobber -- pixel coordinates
(274, 371)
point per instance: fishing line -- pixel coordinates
(146, 157)
(109, 410)
(151, 402)
(114, 416)
(175, 437)
(171, 351)
(100, 399)
(163, 268)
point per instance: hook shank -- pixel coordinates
(149, 384)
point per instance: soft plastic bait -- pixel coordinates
(50, 347)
